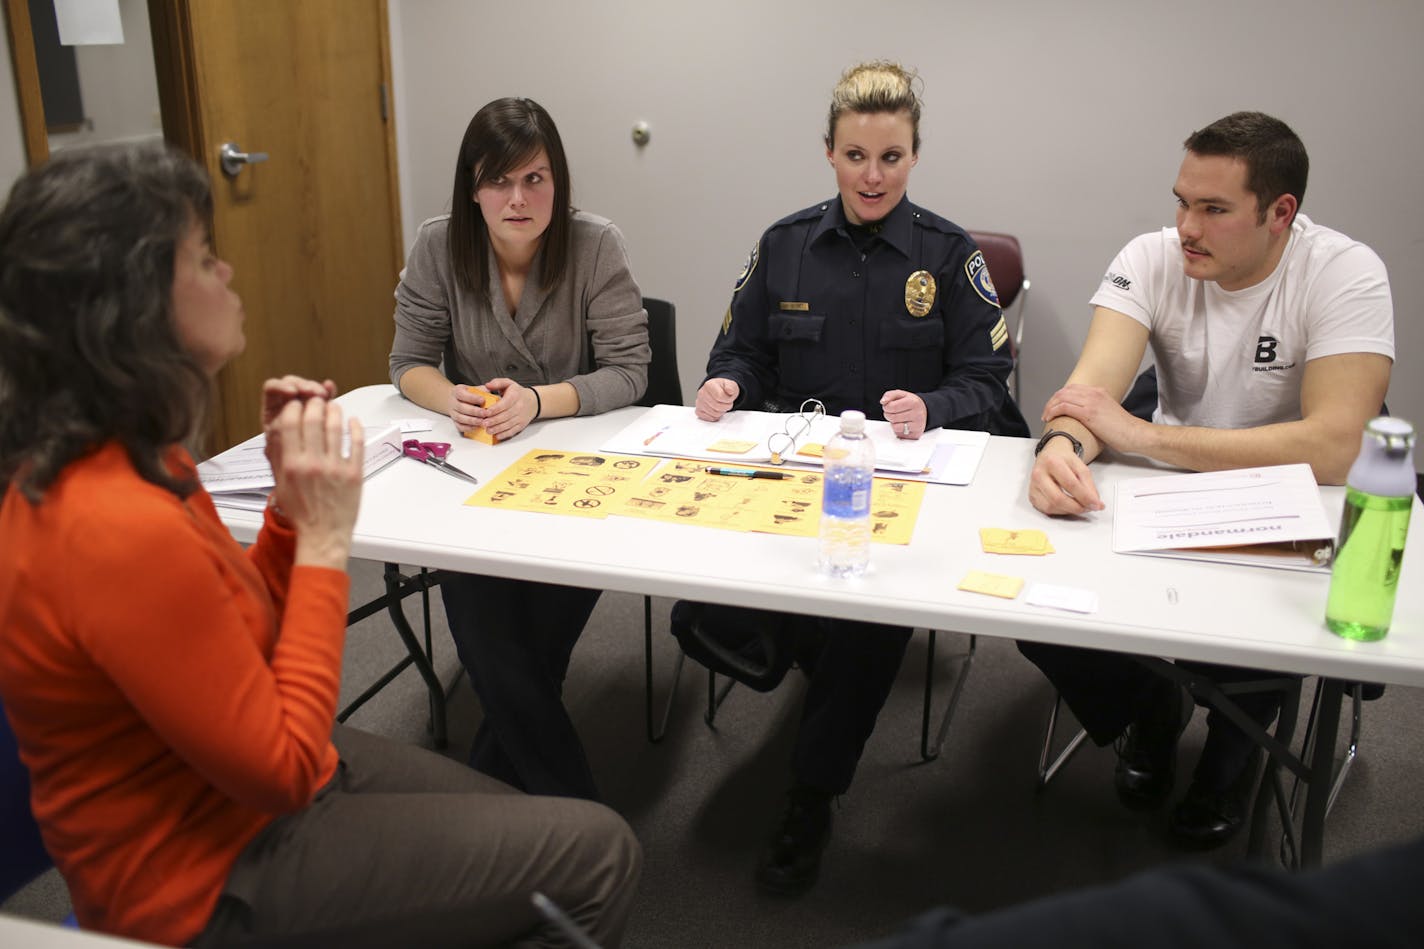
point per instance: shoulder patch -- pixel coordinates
(978, 273)
(747, 267)
(999, 333)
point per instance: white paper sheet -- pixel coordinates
(89, 22)
(243, 469)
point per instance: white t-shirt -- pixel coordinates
(1235, 359)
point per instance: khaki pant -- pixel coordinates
(406, 848)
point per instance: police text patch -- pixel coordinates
(747, 267)
(978, 273)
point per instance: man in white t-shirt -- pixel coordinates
(1273, 339)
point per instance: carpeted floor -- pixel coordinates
(969, 829)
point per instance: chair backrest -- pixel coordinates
(22, 853)
(664, 384)
(1141, 399)
(1005, 259)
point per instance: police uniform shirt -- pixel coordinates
(815, 316)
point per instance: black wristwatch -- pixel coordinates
(1055, 433)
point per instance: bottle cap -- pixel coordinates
(852, 422)
(1385, 464)
(1396, 433)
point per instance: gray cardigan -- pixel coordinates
(590, 329)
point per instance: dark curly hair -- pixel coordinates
(88, 349)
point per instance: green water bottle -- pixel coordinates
(1378, 495)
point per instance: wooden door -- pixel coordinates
(312, 232)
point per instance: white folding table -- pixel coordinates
(1150, 606)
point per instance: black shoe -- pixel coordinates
(1147, 752)
(1207, 816)
(792, 859)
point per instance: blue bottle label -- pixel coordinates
(847, 494)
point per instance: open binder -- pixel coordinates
(1269, 517)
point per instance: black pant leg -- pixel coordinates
(852, 677)
(515, 638)
(1104, 689)
(1228, 749)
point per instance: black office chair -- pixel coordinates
(25, 856)
(22, 853)
(664, 383)
(1005, 259)
(664, 388)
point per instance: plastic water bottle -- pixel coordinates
(849, 463)
(1378, 495)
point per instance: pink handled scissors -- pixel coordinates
(433, 454)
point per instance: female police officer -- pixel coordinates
(864, 302)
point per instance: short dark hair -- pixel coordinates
(89, 352)
(1276, 162)
(503, 135)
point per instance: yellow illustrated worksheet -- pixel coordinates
(679, 490)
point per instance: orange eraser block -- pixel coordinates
(479, 434)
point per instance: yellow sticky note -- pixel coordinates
(731, 446)
(998, 540)
(977, 581)
(812, 450)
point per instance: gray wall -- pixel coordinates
(1061, 123)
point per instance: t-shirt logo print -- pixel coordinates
(1266, 349)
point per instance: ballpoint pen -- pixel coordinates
(745, 473)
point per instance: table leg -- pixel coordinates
(1322, 769)
(418, 656)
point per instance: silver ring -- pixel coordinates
(905, 428)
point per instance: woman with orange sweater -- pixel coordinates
(173, 695)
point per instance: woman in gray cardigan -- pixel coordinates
(517, 294)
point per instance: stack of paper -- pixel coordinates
(241, 478)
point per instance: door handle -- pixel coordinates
(232, 158)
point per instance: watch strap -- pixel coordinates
(1056, 433)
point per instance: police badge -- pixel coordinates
(919, 293)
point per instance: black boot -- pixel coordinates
(1214, 809)
(791, 860)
